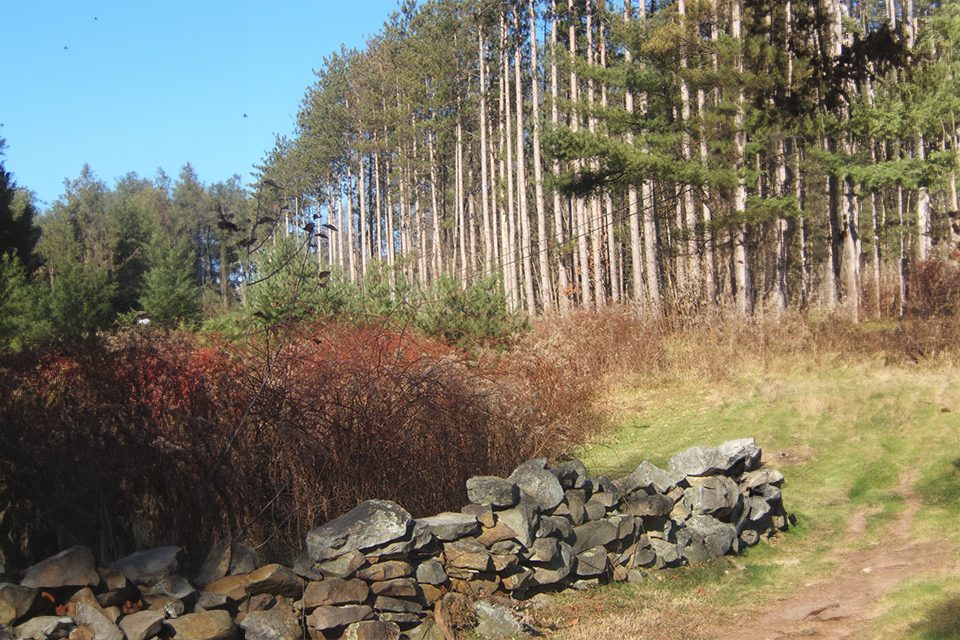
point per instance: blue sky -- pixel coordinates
(133, 85)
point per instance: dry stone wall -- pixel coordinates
(377, 572)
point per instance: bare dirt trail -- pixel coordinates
(845, 602)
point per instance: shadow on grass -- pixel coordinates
(942, 622)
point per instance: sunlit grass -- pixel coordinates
(846, 436)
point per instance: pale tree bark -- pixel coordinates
(740, 266)
(689, 218)
(487, 240)
(594, 223)
(563, 284)
(543, 256)
(924, 210)
(526, 246)
(509, 264)
(586, 299)
(461, 223)
(608, 219)
(633, 210)
(434, 208)
(351, 250)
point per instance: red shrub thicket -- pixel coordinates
(149, 438)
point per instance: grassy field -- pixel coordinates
(853, 440)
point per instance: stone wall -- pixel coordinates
(376, 572)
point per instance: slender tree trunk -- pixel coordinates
(924, 210)
(509, 265)
(594, 222)
(351, 251)
(526, 246)
(563, 284)
(484, 194)
(543, 256)
(741, 267)
(580, 229)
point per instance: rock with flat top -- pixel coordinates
(73, 567)
(324, 618)
(500, 493)
(142, 625)
(370, 524)
(149, 566)
(730, 459)
(208, 625)
(449, 526)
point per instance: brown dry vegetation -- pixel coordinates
(145, 438)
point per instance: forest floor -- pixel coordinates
(871, 455)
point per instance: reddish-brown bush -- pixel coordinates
(146, 438)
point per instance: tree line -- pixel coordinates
(749, 154)
(679, 156)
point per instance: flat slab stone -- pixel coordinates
(324, 618)
(150, 565)
(335, 591)
(208, 625)
(142, 625)
(372, 630)
(730, 458)
(370, 524)
(593, 534)
(449, 526)
(73, 567)
(496, 621)
(276, 580)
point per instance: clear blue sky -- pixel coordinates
(133, 85)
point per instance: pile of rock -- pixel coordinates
(376, 572)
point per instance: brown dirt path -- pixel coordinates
(843, 603)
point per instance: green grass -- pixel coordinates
(846, 436)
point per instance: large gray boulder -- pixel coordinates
(500, 493)
(73, 567)
(649, 478)
(730, 458)
(538, 486)
(715, 495)
(370, 524)
(15, 601)
(149, 566)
